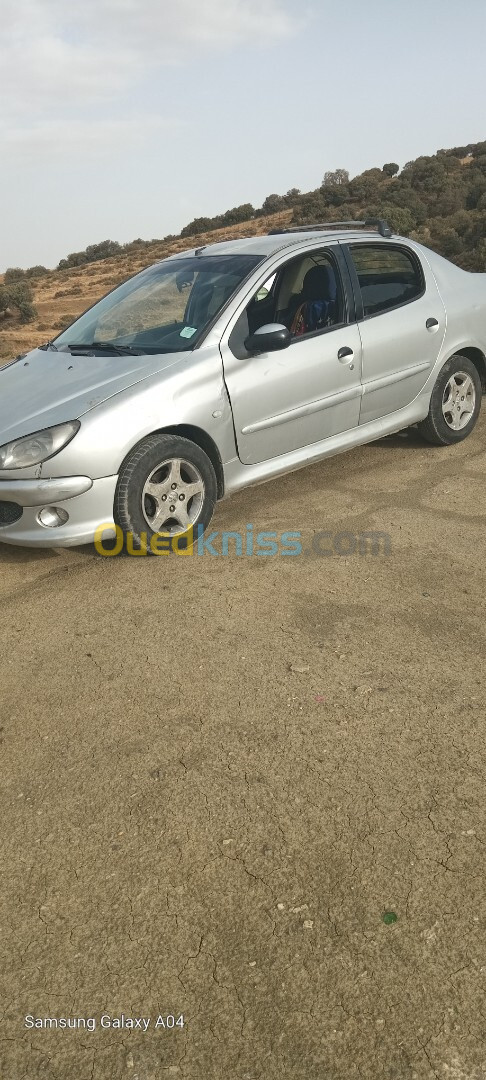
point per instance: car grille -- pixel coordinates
(9, 512)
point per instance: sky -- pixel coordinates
(128, 118)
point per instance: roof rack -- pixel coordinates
(379, 224)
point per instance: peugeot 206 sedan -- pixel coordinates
(228, 365)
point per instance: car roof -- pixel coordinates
(270, 244)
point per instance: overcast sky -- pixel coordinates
(127, 118)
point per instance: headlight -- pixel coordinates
(34, 449)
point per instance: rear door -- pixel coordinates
(298, 396)
(401, 320)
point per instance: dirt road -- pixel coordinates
(219, 773)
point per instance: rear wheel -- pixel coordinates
(167, 486)
(454, 404)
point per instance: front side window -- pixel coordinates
(166, 308)
(305, 295)
(309, 297)
(388, 276)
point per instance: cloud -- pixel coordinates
(60, 137)
(70, 70)
(55, 55)
(166, 28)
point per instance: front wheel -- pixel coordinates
(454, 404)
(166, 485)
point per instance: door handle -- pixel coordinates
(432, 325)
(345, 355)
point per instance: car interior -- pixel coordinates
(307, 280)
(305, 296)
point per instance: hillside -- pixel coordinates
(439, 201)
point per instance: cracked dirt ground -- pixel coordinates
(189, 825)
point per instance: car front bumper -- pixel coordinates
(88, 504)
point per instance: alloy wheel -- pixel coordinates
(173, 496)
(459, 400)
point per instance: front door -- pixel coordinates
(283, 401)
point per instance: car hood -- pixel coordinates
(46, 388)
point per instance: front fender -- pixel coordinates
(194, 394)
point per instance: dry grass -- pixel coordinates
(64, 293)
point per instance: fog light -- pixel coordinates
(52, 516)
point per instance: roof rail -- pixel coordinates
(379, 224)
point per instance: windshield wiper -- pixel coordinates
(121, 350)
(49, 345)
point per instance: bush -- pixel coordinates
(75, 291)
(36, 271)
(13, 274)
(19, 296)
(66, 320)
(93, 253)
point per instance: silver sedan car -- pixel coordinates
(228, 365)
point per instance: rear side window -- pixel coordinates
(387, 276)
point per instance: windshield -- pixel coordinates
(166, 308)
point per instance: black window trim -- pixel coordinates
(358, 299)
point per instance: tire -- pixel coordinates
(165, 485)
(446, 425)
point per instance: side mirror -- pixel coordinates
(268, 338)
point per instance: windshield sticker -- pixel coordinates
(188, 331)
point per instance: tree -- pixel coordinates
(367, 185)
(449, 200)
(237, 214)
(336, 178)
(391, 168)
(400, 194)
(93, 253)
(447, 241)
(273, 203)
(200, 225)
(105, 250)
(400, 219)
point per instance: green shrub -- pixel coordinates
(18, 296)
(13, 274)
(36, 271)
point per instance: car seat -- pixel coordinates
(316, 305)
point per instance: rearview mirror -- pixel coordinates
(268, 338)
